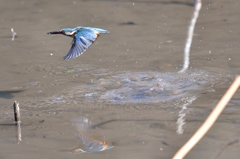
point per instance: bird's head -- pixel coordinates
(65, 31)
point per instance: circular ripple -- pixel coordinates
(147, 87)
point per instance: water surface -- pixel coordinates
(127, 84)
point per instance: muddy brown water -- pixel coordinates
(126, 83)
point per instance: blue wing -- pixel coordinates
(81, 42)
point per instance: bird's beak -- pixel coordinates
(55, 32)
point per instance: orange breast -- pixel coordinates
(73, 35)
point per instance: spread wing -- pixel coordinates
(81, 42)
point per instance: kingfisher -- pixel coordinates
(83, 37)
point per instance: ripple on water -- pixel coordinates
(128, 87)
(142, 87)
(147, 87)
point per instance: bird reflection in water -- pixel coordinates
(91, 139)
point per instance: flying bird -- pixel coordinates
(83, 37)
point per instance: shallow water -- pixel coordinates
(127, 83)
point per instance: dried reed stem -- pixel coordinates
(209, 121)
(188, 44)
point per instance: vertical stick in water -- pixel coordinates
(17, 120)
(16, 112)
(198, 6)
